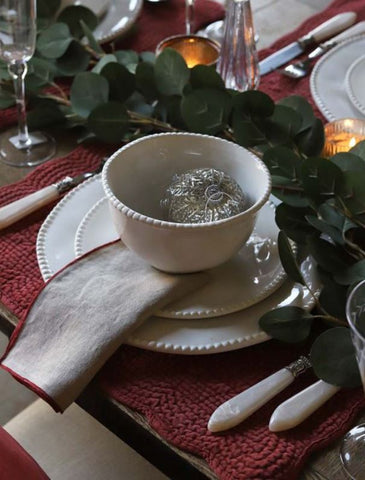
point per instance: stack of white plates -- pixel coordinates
(221, 316)
(338, 79)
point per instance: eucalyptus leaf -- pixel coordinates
(72, 16)
(293, 222)
(288, 324)
(333, 358)
(283, 162)
(359, 150)
(74, 61)
(109, 122)
(148, 57)
(128, 58)
(45, 114)
(246, 132)
(7, 99)
(4, 72)
(253, 104)
(145, 80)
(311, 141)
(354, 273)
(90, 37)
(88, 90)
(53, 42)
(40, 73)
(330, 257)
(327, 229)
(288, 192)
(283, 125)
(137, 103)
(47, 8)
(301, 106)
(288, 260)
(206, 110)
(121, 82)
(171, 72)
(333, 296)
(353, 193)
(349, 161)
(203, 76)
(321, 179)
(105, 59)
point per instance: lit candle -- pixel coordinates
(342, 135)
(195, 50)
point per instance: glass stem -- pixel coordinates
(17, 71)
(189, 16)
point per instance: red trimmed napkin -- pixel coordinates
(82, 315)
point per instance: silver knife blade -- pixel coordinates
(324, 31)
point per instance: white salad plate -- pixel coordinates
(55, 248)
(250, 276)
(327, 81)
(354, 83)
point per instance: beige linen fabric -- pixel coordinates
(84, 314)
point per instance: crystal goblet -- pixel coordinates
(352, 452)
(19, 147)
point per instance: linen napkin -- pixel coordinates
(82, 315)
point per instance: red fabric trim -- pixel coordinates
(15, 462)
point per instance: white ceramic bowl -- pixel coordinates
(135, 179)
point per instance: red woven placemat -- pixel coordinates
(177, 394)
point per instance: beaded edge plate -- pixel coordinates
(55, 248)
(354, 82)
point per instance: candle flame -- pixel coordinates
(352, 142)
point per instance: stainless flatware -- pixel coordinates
(302, 68)
(296, 409)
(324, 31)
(19, 209)
(235, 410)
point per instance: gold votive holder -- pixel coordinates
(342, 135)
(194, 49)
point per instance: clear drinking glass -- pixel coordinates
(238, 61)
(189, 16)
(18, 147)
(352, 451)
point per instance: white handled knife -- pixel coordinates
(323, 32)
(296, 409)
(238, 408)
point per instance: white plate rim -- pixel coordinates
(349, 87)
(313, 82)
(204, 312)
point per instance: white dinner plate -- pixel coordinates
(354, 82)
(250, 276)
(327, 81)
(117, 20)
(55, 248)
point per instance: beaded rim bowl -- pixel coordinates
(146, 165)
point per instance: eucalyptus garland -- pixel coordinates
(116, 96)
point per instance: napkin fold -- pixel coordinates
(81, 317)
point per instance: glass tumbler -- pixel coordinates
(352, 451)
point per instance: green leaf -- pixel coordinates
(128, 58)
(283, 125)
(7, 99)
(283, 162)
(311, 140)
(354, 273)
(203, 76)
(45, 114)
(88, 90)
(323, 227)
(137, 103)
(109, 122)
(321, 179)
(301, 106)
(148, 57)
(331, 258)
(293, 221)
(40, 73)
(253, 104)
(47, 8)
(288, 324)
(206, 110)
(74, 61)
(121, 82)
(288, 259)
(349, 162)
(72, 17)
(333, 358)
(359, 149)
(90, 37)
(4, 72)
(109, 58)
(288, 192)
(353, 193)
(171, 72)
(145, 80)
(53, 42)
(333, 296)
(247, 133)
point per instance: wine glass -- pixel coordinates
(18, 147)
(352, 451)
(189, 16)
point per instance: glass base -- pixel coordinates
(40, 150)
(352, 453)
(214, 31)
